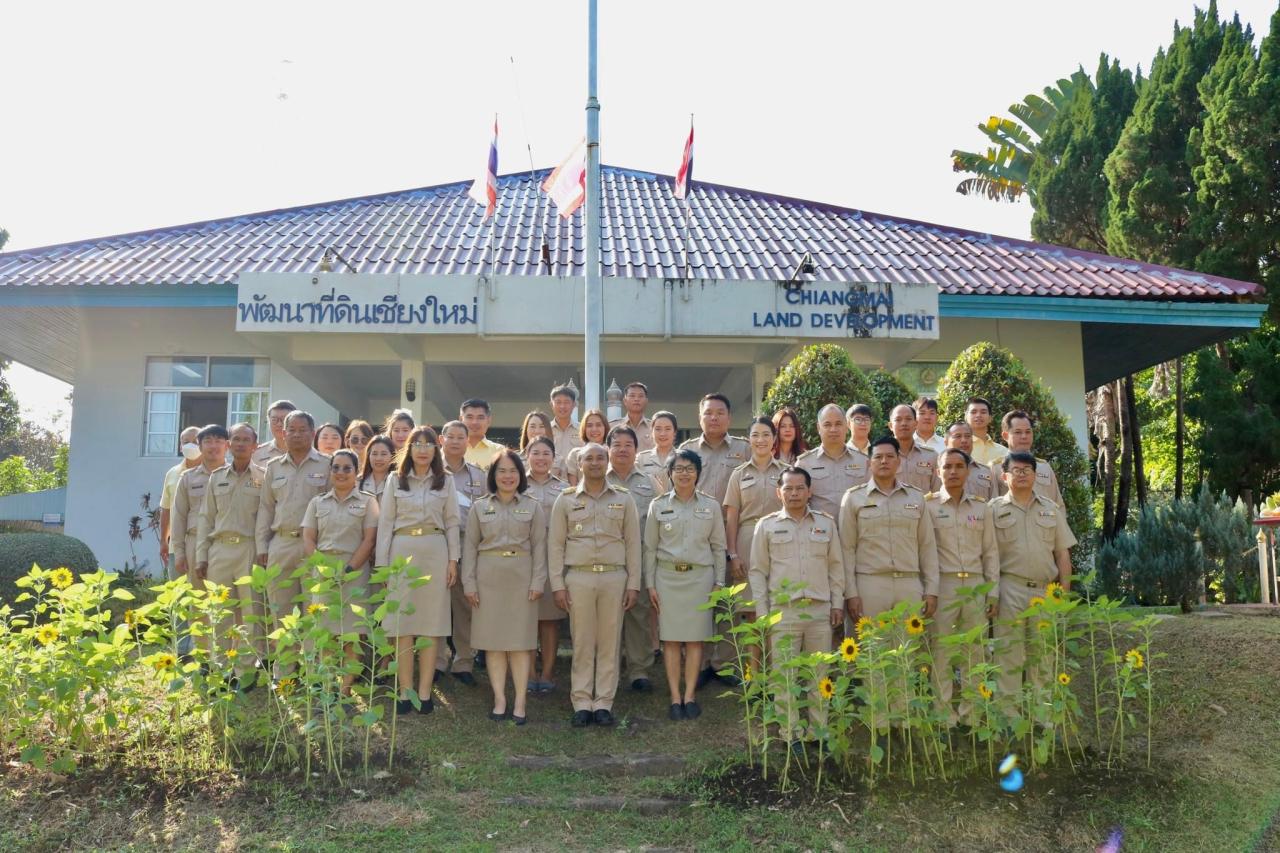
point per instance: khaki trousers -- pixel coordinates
(464, 657)
(809, 628)
(955, 618)
(285, 552)
(637, 638)
(595, 617)
(228, 562)
(884, 592)
(1013, 637)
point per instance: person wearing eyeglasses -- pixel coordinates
(342, 524)
(1017, 428)
(859, 418)
(277, 446)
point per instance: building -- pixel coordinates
(337, 306)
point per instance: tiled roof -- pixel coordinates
(735, 234)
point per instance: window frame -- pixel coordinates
(148, 391)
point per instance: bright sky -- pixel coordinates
(127, 116)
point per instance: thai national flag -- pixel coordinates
(684, 176)
(485, 189)
(567, 185)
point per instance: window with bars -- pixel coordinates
(185, 391)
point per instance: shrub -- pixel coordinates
(986, 370)
(1226, 532)
(820, 374)
(889, 391)
(1158, 562)
(19, 551)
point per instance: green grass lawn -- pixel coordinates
(1215, 784)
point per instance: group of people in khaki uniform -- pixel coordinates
(625, 533)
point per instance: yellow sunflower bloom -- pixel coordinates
(1054, 591)
(915, 625)
(232, 654)
(864, 627)
(826, 688)
(61, 577)
(222, 595)
(313, 609)
(983, 690)
(1043, 625)
(286, 686)
(883, 623)
(1064, 679)
(849, 649)
(130, 617)
(46, 634)
(747, 674)
(1037, 601)
(164, 661)
(1134, 658)
(924, 670)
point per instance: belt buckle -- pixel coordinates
(508, 554)
(416, 531)
(1032, 585)
(599, 567)
(684, 567)
(233, 539)
(964, 574)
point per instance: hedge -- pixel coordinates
(18, 551)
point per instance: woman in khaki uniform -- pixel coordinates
(504, 572)
(536, 424)
(592, 430)
(379, 455)
(343, 524)
(545, 488)
(752, 494)
(654, 461)
(398, 425)
(357, 438)
(684, 559)
(329, 439)
(419, 520)
(790, 438)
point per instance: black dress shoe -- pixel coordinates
(496, 717)
(676, 713)
(642, 685)
(519, 721)
(581, 719)
(427, 707)
(604, 717)
(704, 677)
(465, 678)
(403, 706)
(692, 711)
(479, 661)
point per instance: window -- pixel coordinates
(185, 391)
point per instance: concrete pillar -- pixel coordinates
(413, 376)
(761, 375)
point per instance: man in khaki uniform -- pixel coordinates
(635, 398)
(981, 481)
(637, 636)
(290, 482)
(859, 417)
(986, 450)
(564, 429)
(967, 558)
(833, 467)
(593, 557)
(1035, 549)
(269, 450)
(918, 465)
(1018, 430)
(225, 537)
(720, 452)
(471, 484)
(799, 545)
(890, 554)
(476, 417)
(170, 488)
(188, 499)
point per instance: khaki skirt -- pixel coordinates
(339, 618)
(506, 620)
(424, 612)
(680, 594)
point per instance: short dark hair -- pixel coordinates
(298, 413)
(716, 396)
(474, 403)
(454, 424)
(965, 456)
(1018, 456)
(621, 430)
(507, 453)
(763, 421)
(983, 400)
(565, 391)
(640, 385)
(542, 439)
(914, 413)
(284, 405)
(212, 431)
(346, 451)
(859, 409)
(688, 455)
(1010, 417)
(955, 424)
(665, 414)
(342, 438)
(796, 469)
(925, 403)
(884, 439)
(243, 425)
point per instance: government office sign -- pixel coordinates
(548, 305)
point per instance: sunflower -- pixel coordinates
(1036, 601)
(883, 622)
(221, 595)
(826, 688)
(849, 650)
(130, 617)
(983, 690)
(1133, 657)
(1055, 591)
(232, 654)
(747, 674)
(46, 634)
(864, 627)
(1043, 625)
(915, 625)
(1064, 679)
(286, 686)
(924, 670)
(313, 609)
(61, 577)
(164, 661)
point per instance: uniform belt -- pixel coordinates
(959, 574)
(289, 534)
(806, 602)
(331, 552)
(1029, 584)
(423, 530)
(231, 538)
(680, 567)
(191, 531)
(596, 567)
(498, 552)
(894, 575)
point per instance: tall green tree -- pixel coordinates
(10, 414)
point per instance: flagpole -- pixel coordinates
(593, 302)
(493, 226)
(688, 199)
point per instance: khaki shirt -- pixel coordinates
(230, 506)
(265, 452)
(497, 526)
(753, 492)
(888, 532)
(590, 530)
(919, 467)
(288, 490)
(644, 431)
(480, 455)
(987, 450)
(188, 499)
(966, 539)
(1046, 482)
(566, 439)
(804, 552)
(471, 484)
(415, 504)
(340, 524)
(677, 531)
(1028, 537)
(833, 476)
(982, 482)
(648, 462)
(640, 486)
(546, 494)
(718, 462)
